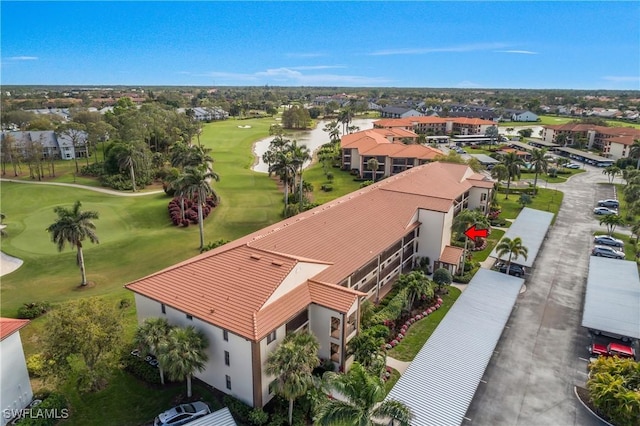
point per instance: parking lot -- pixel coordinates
(543, 352)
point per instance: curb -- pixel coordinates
(575, 391)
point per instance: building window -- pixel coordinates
(335, 327)
(226, 358)
(271, 337)
(228, 378)
(189, 317)
(164, 308)
(225, 335)
(483, 196)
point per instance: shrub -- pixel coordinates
(53, 402)
(36, 364)
(326, 187)
(92, 170)
(239, 409)
(330, 176)
(258, 417)
(214, 244)
(366, 183)
(124, 303)
(139, 368)
(33, 310)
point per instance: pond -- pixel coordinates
(313, 139)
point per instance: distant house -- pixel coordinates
(519, 115)
(205, 113)
(49, 143)
(438, 125)
(613, 142)
(15, 387)
(398, 112)
(396, 150)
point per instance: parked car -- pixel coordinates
(605, 240)
(515, 270)
(609, 203)
(604, 211)
(612, 349)
(572, 166)
(605, 251)
(182, 414)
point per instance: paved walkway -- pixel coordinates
(89, 188)
(396, 364)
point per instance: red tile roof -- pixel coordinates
(230, 286)
(374, 142)
(8, 326)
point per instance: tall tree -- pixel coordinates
(83, 337)
(359, 403)
(292, 363)
(130, 157)
(512, 163)
(183, 353)
(514, 248)
(151, 336)
(611, 172)
(539, 163)
(284, 166)
(194, 184)
(492, 132)
(373, 164)
(301, 155)
(77, 135)
(73, 226)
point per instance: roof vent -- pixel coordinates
(276, 263)
(256, 256)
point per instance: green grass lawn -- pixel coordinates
(419, 332)
(547, 199)
(342, 183)
(127, 401)
(542, 177)
(480, 256)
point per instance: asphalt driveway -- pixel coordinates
(542, 353)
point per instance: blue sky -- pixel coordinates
(531, 45)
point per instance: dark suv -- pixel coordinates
(515, 270)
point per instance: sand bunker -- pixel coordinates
(8, 264)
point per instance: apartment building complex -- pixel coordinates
(311, 271)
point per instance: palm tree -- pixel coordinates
(499, 172)
(372, 165)
(512, 163)
(359, 403)
(73, 226)
(193, 183)
(292, 362)
(151, 335)
(367, 349)
(513, 248)
(284, 166)
(415, 284)
(183, 353)
(612, 221)
(634, 151)
(539, 163)
(301, 155)
(611, 172)
(130, 157)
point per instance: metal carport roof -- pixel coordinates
(440, 382)
(531, 226)
(221, 417)
(612, 301)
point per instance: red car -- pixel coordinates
(612, 349)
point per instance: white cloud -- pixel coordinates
(621, 78)
(293, 76)
(426, 50)
(522, 52)
(23, 58)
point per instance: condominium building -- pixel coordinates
(310, 272)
